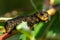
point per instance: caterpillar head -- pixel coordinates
(44, 16)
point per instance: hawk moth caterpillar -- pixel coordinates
(31, 20)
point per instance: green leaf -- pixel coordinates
(38, 27)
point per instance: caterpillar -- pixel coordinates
(31, 20)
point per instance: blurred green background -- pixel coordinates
(24, 7)
(19, 5)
